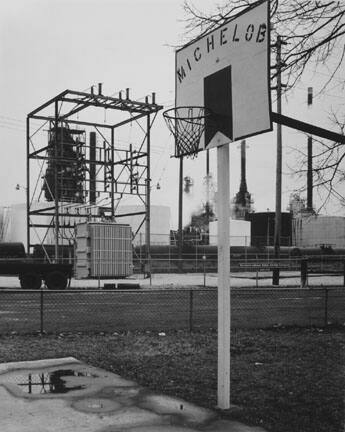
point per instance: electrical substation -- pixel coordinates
(82, 173)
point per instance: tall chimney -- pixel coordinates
(242, 202)
(243, 185)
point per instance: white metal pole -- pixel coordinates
(224, 319)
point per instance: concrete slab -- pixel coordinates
(67, 395)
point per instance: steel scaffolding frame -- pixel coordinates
(118, 172)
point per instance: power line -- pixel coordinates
(16, 120)
(11, 128)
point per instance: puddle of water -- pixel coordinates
(96, 405)
(52, 382)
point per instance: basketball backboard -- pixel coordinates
(227, 72)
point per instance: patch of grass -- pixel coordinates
(282, 379)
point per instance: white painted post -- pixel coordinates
(224, 322)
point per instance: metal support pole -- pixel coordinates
(56, 185)
(180, 213)
(28, 185)
(99, 271)
(310, 175)
(304, 272)
(131, 167)
(310, 159)
(224, 318)
(148, 200)
(92, 168)
(41, 311)
(277, 226)
(326, 307)
(112, 175)
(208, 195)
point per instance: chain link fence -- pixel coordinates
(164, 309)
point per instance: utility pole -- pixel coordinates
(310, 160)
(277, 225)
(27, 185)
(208, 195)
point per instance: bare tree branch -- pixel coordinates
(328, 165)
(311, 28)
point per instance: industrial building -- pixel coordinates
(317, 230)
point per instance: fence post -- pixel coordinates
(41, 310)
(191, 310)
(344, 274)
(99, 271)
(326, 307)
(196, 253)
(169, 255)
(304, 272)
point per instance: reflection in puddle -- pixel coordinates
(50, 382)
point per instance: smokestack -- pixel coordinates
(92, 168)
(310, 96)
(99, 88)
(243, 185)
(243, 201)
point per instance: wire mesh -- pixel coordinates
(20, 311)
(187, 125)
(166, 309)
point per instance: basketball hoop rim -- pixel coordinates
(168, 114)
(187, 124)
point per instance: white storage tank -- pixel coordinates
(239, 232)
(103, 250)
(318, 230)
(159, 222)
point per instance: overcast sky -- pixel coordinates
(49, 46)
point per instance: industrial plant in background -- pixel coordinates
(197, 231)
(82, 183)
(84, 174)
